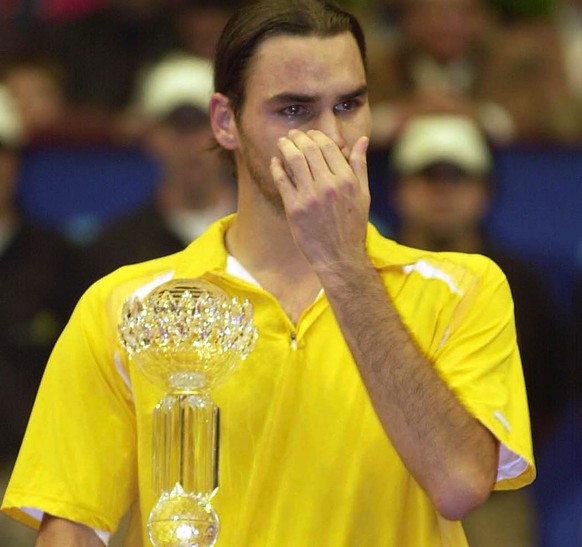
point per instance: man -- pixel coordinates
(343, 426)
(195, 186)
(442, 192)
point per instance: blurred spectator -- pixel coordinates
(379, 18)
(450, 56)
(38, 288)
(37, 84)
(569, 22)
(568, 112)
(103, 51)
(195, 186)
(443, 189)
(200, 22)
(37, 87)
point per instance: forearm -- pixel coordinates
(58, 532)
(450, 454)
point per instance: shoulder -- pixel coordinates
(385, 252)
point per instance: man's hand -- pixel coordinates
(326, 197)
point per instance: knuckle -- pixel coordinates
(310, 148)
(328, 145)
(331, 192)
(294, 157)
(347, 183)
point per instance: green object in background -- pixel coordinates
(524, 9)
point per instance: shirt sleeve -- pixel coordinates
(480, 361)
(78, 457)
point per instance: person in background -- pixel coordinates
(38, 289)
(195, 186)
(200, 22)
(443, 189)
(567, 119)
(104, 50)
(37, 85)
(37, 81)
(451, 55)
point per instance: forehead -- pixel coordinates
(306, 64)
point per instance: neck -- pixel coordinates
(260, 239)
(172, 196)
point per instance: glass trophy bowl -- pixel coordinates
(187, 337)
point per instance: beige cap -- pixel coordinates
(432, 138)
(178, 80)
(11, 130)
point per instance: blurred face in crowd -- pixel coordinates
(443, 203)
(444, 29)
(38, 96)
(200, 29)
(181, 144)
(299, 82)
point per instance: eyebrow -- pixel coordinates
(306, 98)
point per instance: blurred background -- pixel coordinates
(105, 160)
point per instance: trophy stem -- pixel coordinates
(185, 444)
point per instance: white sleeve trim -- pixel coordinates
(510, 464)
(103, 536)
(37, 514)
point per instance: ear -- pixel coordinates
(223, 122)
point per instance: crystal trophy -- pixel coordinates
(186, 336)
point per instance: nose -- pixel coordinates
(330, 124)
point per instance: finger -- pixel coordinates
(282, 181)
(312, 154)
(359, 162)
(294, 161)
(330, 151)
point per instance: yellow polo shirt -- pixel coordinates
(304, 460)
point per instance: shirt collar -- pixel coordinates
(208, 253)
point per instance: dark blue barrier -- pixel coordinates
(537, 211)
(77, 189)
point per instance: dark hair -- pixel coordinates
(253, 24)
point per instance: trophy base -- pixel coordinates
(182, 519)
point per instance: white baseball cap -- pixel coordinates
(433, 138)
(176, 81)
(11, 129)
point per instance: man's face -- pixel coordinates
(187, 162)
(38, 96)
(442, 204)
(300, 83)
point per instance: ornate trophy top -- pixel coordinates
(187, 334)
